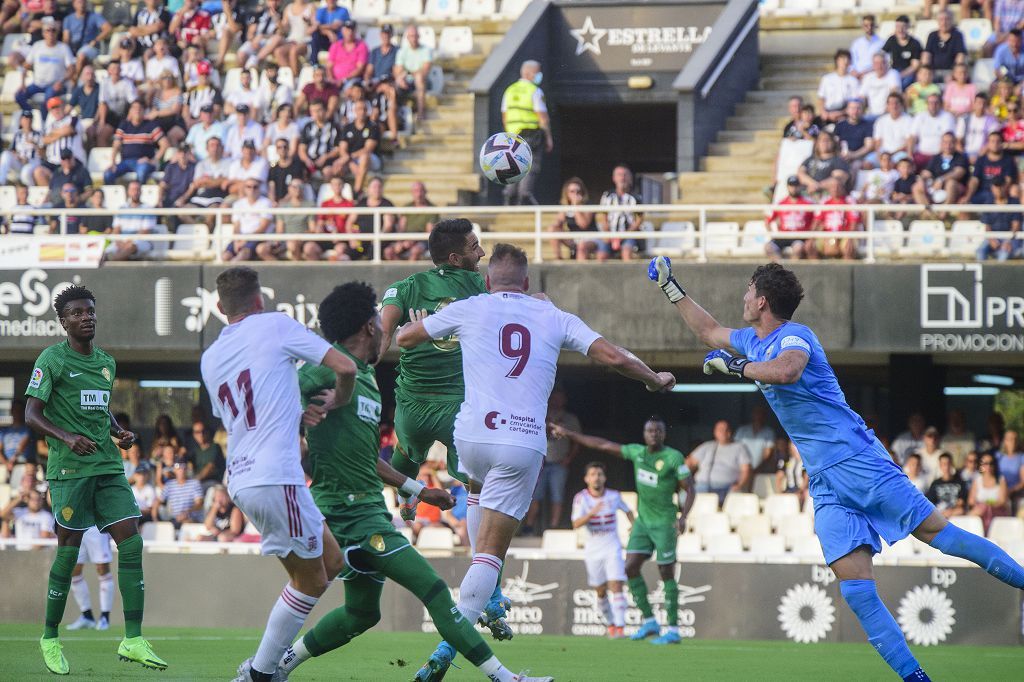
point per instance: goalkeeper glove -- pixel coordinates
(726, 363)
(660, 270)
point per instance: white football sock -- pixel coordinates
(619, 606)
(478, 585)
(495, 671)
(286, 619)
(80, 590)
(605, 607)
(473, 516)
(106, 593)
(294, 656)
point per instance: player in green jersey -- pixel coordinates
(660, 472)
(68, 402)
(348, 477)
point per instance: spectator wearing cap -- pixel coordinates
(206, 128)
(865, 47)
(178, 176)
(182, 497)
(84, 30)
(1001, 248)
(836, 88)
(51, 63)
(298, 28)
(70, 172)
(412, 68)
(242, 129)
(204, 94)
(245, 93)
(62, 131)
(191, 25)
(251, 215)
(347, 57)
(327, 24)
(131, 221)
(167, 105)
(116, 92)
(360, 140)
(945, 46)
(320, 89)
(23, 155)
(69, 196)
(248, 166)
(85, 97)
(262, 34)
(904, 51)
(138, 146)
(131, 66)
(282, 128)
(319, 145)
(273, 93)
(792, 221)
(287, 168)
(149, 23)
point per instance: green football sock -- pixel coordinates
(410, 570)
(58, 587)
(672, 601)
(638, 588)
(360, 613)
(129, 581)
(404, 464)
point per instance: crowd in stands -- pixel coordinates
(897, 122)
(157, 102)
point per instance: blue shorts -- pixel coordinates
(863, 498)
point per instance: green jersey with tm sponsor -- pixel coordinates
(76, 389)
(343, 448)
(434, 367)
(657, 477)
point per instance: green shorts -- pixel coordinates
(101, 501)
(418, 423)
(657, 540)
(364, 532)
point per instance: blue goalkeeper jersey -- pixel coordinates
(813, 411)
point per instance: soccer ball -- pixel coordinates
(505, 158)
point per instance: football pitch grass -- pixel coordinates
(214, 654)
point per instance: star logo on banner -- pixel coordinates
(588, 38)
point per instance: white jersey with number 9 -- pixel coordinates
(510, 346)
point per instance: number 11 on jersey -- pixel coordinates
(244, 383)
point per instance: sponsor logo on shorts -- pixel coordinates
(37, 378)
(377, 542)
(94, 400)
(312, 543)
(67, 513)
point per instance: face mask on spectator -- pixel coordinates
(538, 78)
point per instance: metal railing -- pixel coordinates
(696, 243)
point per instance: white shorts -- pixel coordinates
(95, 547)
(287, 518)
(508, 474)
(604, 566)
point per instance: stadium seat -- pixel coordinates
(875, 6)
(721, 238)
(965, 238)
(406, 9)
(99, 161)
(724, 545)
(808, 547)
(764, 485)
(971, 524)
(454, 42)
(441, 9)
(768, 546)
(976, 33)
(1015, 548)
(511, 9)
(12, 83)
(888, 237)
(740, 505)
(704, 503)
(233, 78)
(887, 27)
(369, 10)
(794, 526)
(150, 195)
(710, 525)
(193, 240)
(687, 545)
(901, 549)
(478, 9)
(835, 6)
(753, 239)
(5, 493)
(436, 537)
(673, 246)
(14, 41)
(191, 532)
(778, 506)
(114, 196)
(305, 77)
(922, 28)
(160, 531)
(751, 527)
(923, 548)
(925, 238)
(799, 6)
(1006, 529)
(7, 194)
(37, 196)
(559, 541)
(983, 74)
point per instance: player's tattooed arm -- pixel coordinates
(38, 422)
(784, 369)
(345, 371)
(592, 442)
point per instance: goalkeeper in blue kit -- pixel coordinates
(860, 495)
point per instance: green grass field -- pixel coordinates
(208, 654)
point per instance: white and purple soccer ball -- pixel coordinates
(505, 159)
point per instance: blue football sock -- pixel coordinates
(958, 542)
(882, 630)
(917, 676)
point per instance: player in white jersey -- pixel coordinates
(596, 507)
(250, 372)
(95, 549)
(510, 345)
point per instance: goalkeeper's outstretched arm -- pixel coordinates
(699, 321)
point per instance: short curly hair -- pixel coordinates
(347, 308)
(780, 287)
(71, 293)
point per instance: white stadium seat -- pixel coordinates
(191, 532)
(114, 196)
(1006, 529)
(926, 238)
(441, 9)
(436, 538)
(901, 549)
(971, 524)
(15, 41)
(37, 196)
(673, 246)
(768, 545)
(753, 239)
(740, 505)
(710, 525)
(704, 503)
(5, 493)
(160, 531)
(478, 9)
(795, 526)
(889, 237)
(559, 541)
(725, 545)
(688, 544)
(193, 239)
(7, 198)
(721, 238)
(511, 9)
(983, 74)
(778, 506)
(406, 9)
(455, 41)
(751, 527)
(764, 485)
(922, 28)
(835, 6)
(369, 10)
(976, 33)
(791, 6)
(965, 237)
(99, 161)
(150, 195)
(808, 547)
